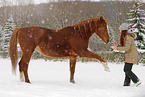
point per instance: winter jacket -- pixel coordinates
(131, 53)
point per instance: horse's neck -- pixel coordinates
(71, 30)
(88, 34)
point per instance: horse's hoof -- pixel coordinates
(28, 82)
(107, 69)
(72, 81)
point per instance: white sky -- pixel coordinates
(44, 1)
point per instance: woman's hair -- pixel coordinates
(122, 36)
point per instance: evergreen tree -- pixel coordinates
(136, 18)
(1, 39)
(7, 31)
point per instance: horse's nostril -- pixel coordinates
(107, 41)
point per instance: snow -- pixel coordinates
(51, 79)
(141, 50)
(42, 21)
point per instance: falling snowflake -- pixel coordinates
(57, 46)
(42, 21)
(50, 37)
(66, 20)
(30, 35)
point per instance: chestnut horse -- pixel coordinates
(70, 41)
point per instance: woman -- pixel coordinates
(127, 44)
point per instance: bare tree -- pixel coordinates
(4, 11)
(22, 11)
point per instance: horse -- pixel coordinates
(71, 41)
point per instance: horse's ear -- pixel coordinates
(101, 18)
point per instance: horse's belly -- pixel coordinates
(39, 50)
(51, 53)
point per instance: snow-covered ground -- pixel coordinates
(51, 79)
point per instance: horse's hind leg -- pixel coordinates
(23, 68)
(72, 68)
(23, 65)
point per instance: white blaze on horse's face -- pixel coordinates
(107, 34)
(107, 27)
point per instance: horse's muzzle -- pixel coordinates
(106, 41)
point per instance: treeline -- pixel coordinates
(108, 56)
(56, 15)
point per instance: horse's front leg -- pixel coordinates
(72, 68)
(88, 54)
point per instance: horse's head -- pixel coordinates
(101, 29)
(94, 25)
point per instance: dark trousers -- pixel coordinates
(129, 75)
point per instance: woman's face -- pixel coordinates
(122, 30)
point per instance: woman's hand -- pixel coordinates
(114, 47)
(115, 44)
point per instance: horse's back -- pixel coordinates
(31, 36)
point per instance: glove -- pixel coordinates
(113, 47)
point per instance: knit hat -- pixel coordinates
(124, 26)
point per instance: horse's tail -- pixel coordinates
(13, 52)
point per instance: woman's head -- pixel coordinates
(124, 26)
(122, 36)
(123, 30)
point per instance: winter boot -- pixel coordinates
(138, 83)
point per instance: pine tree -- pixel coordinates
(137, 23)
(1, 39)
(8, 29)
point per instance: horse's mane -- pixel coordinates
(86, 27)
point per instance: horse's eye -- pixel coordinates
(105, 28)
